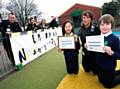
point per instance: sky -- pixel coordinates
(57, 7)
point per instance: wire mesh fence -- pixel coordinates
(6, 66)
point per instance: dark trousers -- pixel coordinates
(108, 77)
(7, 46)
(88, 62)
(72, 65)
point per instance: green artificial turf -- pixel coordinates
(45, 72)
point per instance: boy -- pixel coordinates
(106, 62)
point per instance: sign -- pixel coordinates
(65, 42)
(95, 43)
(27, 46)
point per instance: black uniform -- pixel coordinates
(14, 27)
(71, 59)
(88, 57)
(53, 24)
(106, 64)
(31, 27)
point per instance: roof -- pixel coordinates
(76, 6)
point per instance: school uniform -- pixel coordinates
(106, 64)
(71, 59)
(88, 57)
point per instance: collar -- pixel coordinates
(71, 34)
(107, 34)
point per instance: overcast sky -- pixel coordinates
(57, 7)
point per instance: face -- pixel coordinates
(68, 28)
(12, 18)
(105, 27)
(33, 21)
(86, 20)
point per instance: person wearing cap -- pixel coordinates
(88, 29)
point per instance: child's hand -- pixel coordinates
(85, 45)
(76, 37)
(108, 50)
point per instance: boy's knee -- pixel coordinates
(108, 85)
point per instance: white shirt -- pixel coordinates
(107, 34)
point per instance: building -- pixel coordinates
(74, 13)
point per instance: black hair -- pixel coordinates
(63, 27)
(11, 13)
(0, 16)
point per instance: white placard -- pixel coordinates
(65, 42)
(95, 43)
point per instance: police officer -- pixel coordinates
(88, 29)
(9, 26)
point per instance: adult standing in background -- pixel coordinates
(32, 25)
(9, 26)
(53, 22)
(88, 29)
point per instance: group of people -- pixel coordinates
(7, 27)
(101, 64)
(33, 25)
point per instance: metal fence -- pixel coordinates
(6, 66)
(117, 29)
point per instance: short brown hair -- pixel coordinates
(88, 13)
(107, 18)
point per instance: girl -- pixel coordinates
(71, 55)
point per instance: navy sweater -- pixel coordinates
(70, 53)
(106, 61)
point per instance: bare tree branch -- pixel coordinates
(23, 9)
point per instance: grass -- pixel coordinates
(45, 72)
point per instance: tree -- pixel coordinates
(23, 9)
(110, 8)
(118, 1)
(0, 4)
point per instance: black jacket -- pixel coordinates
(90, 31)
(14, 27)
(72, 52)
(106, 61)
(31, 27)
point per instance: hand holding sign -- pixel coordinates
(95, 43)
(66, 42)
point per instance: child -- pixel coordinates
(71, 55)
(106, 62)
